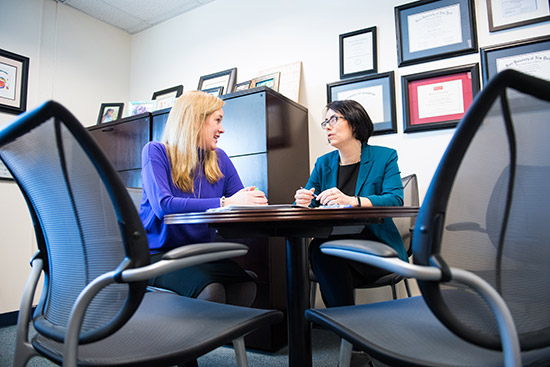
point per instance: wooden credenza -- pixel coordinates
(266, 137)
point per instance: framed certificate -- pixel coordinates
(438, 99)
(358, 55)
(504, 14)
(434, 29)
(530, 56)
(376, 93)
(225, 79)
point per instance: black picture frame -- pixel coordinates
(217, 91)
(168, 92)
(358, 53)
(519, 55)
(116, 112)
(225, 79)
(516, 16)
(427, 18)
(376, 93)
(14, 79)
(437, 92)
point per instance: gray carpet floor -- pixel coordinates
(325, 347)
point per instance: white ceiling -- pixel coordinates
(134, 15)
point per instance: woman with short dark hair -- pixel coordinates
(355, 174)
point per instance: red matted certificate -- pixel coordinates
(441, 98)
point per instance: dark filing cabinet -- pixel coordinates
(266, 137)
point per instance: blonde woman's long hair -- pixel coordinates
(181, 138)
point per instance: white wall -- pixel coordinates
(253, 35)
(75, 60)
(82, 62)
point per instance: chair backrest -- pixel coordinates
(405, 225)
(487, 209)
(85, 222)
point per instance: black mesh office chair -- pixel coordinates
(481, 247)
(405, 226)
(93, 253)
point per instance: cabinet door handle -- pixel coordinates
(108, 129)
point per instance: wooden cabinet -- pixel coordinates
(266, 138)
(122, 141)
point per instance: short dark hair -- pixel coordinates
(358, 119)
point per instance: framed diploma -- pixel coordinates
(14, 76)
(530, 56)
(438, 99)
(225, 79)
(376, 93)
(504, 14)
(358, 53)
(434, 29)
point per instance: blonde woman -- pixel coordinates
(186, 172)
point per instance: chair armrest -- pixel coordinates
(185, 256)
(362, 246)
(175, 259)
(373, 253)
(202, 248)
(380, 255)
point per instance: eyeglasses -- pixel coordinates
(331, 121)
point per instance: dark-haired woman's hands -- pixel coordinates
(303, 197)
(334, 196)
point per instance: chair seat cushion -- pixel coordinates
(405, 332)
(167, 329)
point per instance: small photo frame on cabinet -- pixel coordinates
(242, 86)
(434, 29)
(14, 78)
(531, 56)
(138, 107)
(217, 91)
(505, 14)
(109, 112)
(358, 53)
(438, 99)
(270, 81)
(376, 93)
(165, 98)
(225, 79)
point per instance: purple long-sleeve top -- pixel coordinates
(161, 197)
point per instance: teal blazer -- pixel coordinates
(379, 180)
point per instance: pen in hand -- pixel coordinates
(314, 194)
